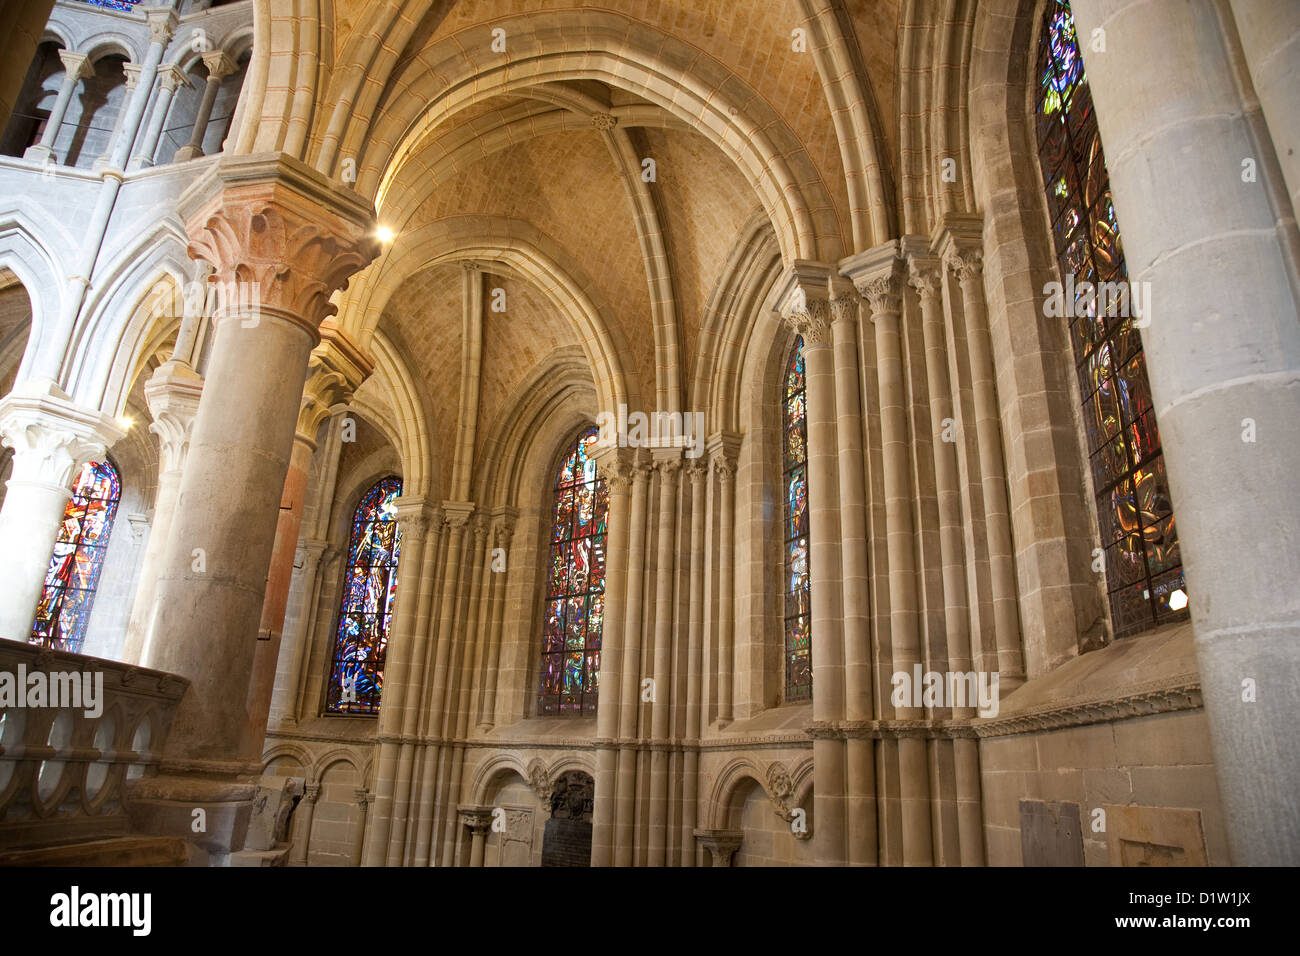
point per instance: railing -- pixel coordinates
(73, 730)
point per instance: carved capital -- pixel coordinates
(412, 515)
(503, 528)
(335, 371)
(172, 394)
(884, 294)
(311, 792)
(477, 819)
(844, 307)
(363, 797)
(76, 65)
(457, 513)
(924, 278)
(52, 437)
(812, 321)
(162, 24)
(965, 263)
(171, 78)
(281, 238)
(219, 64)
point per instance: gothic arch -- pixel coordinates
(492, 769)
(24, 251)
(524, 253)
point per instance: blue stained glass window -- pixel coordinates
(356, 679)
(794, 472)
(574, 613)
(1143, 566)
(78, 559)
(125, 6)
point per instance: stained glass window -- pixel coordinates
(794, 471)
(73, 575)
(575, 585)
(369, 586)
(125, 6)
(1143, 567)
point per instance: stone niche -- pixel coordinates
(567, 837)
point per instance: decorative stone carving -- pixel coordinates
(277, 232)
(812, 320)
(172, 394)
(924, 279)
(966, 264)
(604, 121)
(503, 529)
(844, 308)
(883, 293)
(539, 780)
(52, 437)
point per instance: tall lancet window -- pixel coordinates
(794, 460)
(1143, 568)
(575, 585)
(73, 574)
(356, 679)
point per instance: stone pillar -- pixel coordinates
(169, 79)
(298, 856)
(478, 820)
(721, 844)
(503, 528)
(1269, 32)
(875, 273)
(132, 73)
(859, 749)
(967, 263)
(172, 394)
(1223, 352)
(616, 469)
(292, 238)
(335, 370)
(76, 68)
(805, 307)
(52, 437)
(723, 447)
(698, 471)
(667, 462)
(219, 67)
(363, 804)
(630, 690)
(162, 24)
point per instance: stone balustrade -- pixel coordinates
(64, 769)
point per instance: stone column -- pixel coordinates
(875, 273)
(219, 67)
(169, 79)
(172, 394)
(1269, 32)
(967, 263)
(723, 448)
(721, 844)
(298, 855)
(859, 749)
(478, 820)
(52, 438)
(132, 73)
(503, 528)
(335, 370)
(292, 238)
(616, 469)
(630, 690)
(1223, 353)
(76, 68)
(363, 804)
(805, 307)
(667, 462)
(698, 471)
(162, 24)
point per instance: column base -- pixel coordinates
(138, 163)
(186, 153)
(168, 806)
(39, 154)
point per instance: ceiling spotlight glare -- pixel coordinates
(1178, 600)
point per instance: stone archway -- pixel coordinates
(567, 839)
